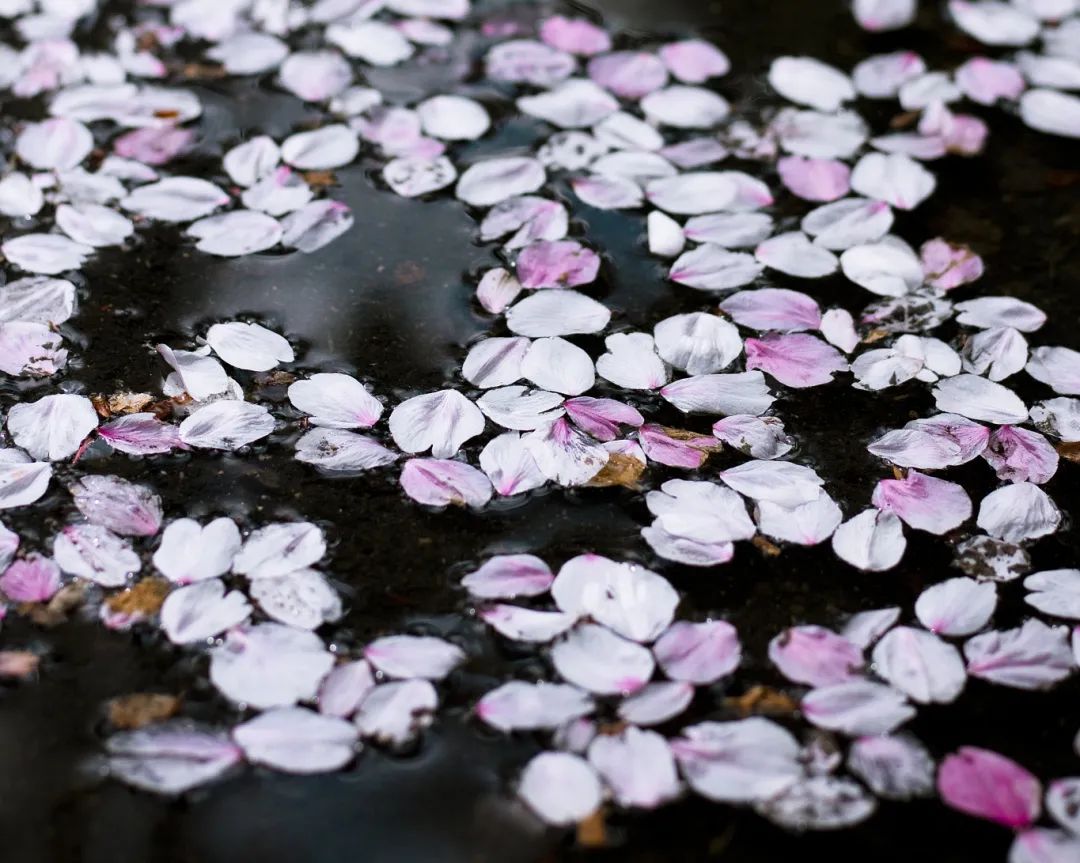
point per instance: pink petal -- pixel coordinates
(694, 61)
(411, 656)
(637, 766)
(559, 264)
(33, 579)
(797, 360)
(121, 506)
(601, 418)
(574, 35)
(509, 575)
(1019, 455)
(628, 74)
(521, 706)
(815, 656)
(987, 785)
(815, 179)
(773, 309)
(699, 653)
(924, 502)
(674, 452)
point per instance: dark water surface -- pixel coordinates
(391, 302)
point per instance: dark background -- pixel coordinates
(391, 302)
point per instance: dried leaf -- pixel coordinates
(1070, 451)
(875, 336)
(56, 611)
(767, 548)
(202, 72)
(592, 831)
(320, 179)
(761, 700)
(141, 708)
(143, 598)
(621, 469)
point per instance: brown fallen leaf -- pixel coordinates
(1070, 451)
(621, 469)
(320, 179)
(141, 708)
(166, 113)
(592, 831)
(17, 664)
(120, 403)
(904, 120)
(762, 700)
(275, 379)
(767, 548)
(875, 336)
(611, 729)
(143, 598)
(56, 610)
(203, 71)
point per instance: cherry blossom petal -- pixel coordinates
(699, 653)
(94, 553)
(848, 222)
(990, 312)
(957, 606)
(810, 82)
(924, 502)
(1055, 592)
(521, 706)
(202, 611)
(1051, 111)
(815, 656)
(872, 540)
(920, 664)
(556, 313)
(723, 394)
(344, 688)
(53, 427)
(1019, 455)
(993, 22)
(781, 482)
(738, 762)
(657, 703)
(508, 576)
(558, 365)
(866, 627)
(692, 193)
(572, 104)
(140, 434)
(175, 199)
(979, 399)
(394, 713)
(527, 624)
(227, 424)
(47, 254)
(494, 180)
(269, 665)
(1032, 656)
(509, 464)
(516, 407)
(297, 740)
(895, 179)
(560, 788)
(896, 768)
(170, 758)
(637, 766)
(441, 421)
(631, 362)
(796, 360)
(443, 482)
(819, 803)
(857, 707)
(700, 511)
(697, 343)
(1018, 512)
(575, 35)
(984, 784)
(34, 578)
(596, 659)
(1058, 368)
(628, 74)
(121, 506)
